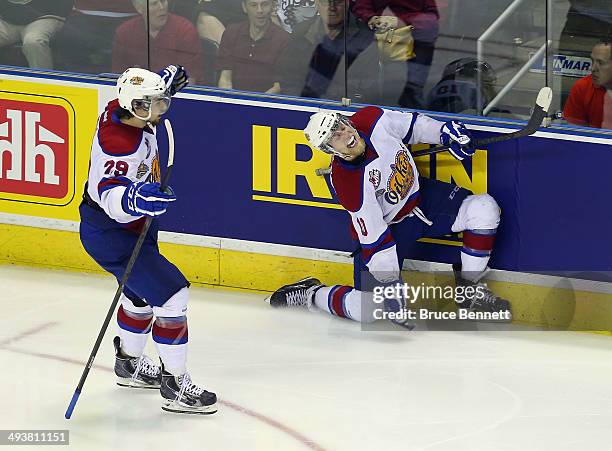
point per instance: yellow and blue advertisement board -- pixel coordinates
(244, 172)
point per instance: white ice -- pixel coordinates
(292, 380)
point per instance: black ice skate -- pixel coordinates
(181, 395)
(482, 301)
(298, 294)
(135, 372)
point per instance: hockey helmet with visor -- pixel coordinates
(321, 129)
(141, 89)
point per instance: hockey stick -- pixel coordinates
(535, 121)
(126, 275)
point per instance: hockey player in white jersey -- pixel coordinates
(122, 189)
(376, 180)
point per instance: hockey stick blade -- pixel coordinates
(170, 133)
(540, 111)
(124, 279)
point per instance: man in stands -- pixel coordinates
(250, 50)
(173, 39)
(590, 100)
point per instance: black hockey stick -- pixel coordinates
(126, 275)
(540, 112)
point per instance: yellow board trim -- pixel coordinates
(548, 307)
(305, 203)
(440, 241)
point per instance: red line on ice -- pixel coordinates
(236, 407)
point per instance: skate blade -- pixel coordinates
(405, 326)
(129, 383)
(177, 407)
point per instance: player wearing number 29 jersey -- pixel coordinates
(120, 155)
(123, 189)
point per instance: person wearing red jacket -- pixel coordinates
(382, 15)
(171, 39)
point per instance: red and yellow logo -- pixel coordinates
(401, 179)
(41, 127)
(37, 148)
(34, 149)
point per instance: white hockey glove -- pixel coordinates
(458, 137)
(175, 78)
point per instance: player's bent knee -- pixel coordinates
(174, 307)
(477, 212)
(129, 306)
(488, 212)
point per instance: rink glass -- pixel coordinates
(474, 57)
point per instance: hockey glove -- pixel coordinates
(175, 78)
(459, 138)
(395, 307)
(142, 198)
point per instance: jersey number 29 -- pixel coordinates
(121, 168)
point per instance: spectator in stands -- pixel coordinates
(173, 40)
(314, 62)
(250, 50)
(590, 100)
(215, 15)
(587, 22)
(210, 32)
(33, 23)
(382, 15)
(85, 43)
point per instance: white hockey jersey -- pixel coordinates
(382, 188)
(120, 154)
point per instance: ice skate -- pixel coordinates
(298, 294)
(482, 301)
(135, 372)
(181, 395)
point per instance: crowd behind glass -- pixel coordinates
(417, 54)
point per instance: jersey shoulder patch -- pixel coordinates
(366, 118)
(116, 138)
(348, 184)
